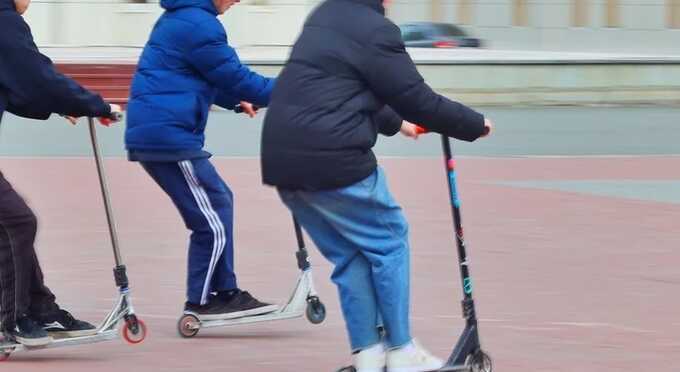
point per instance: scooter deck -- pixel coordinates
(294, 308)
(275, 315)
(443, 369)
(10, 347)
(235, 315)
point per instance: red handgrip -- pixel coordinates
(107, 121)
(420, 130)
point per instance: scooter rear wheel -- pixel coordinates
(316, 311)
(4, 356)
(186, 326)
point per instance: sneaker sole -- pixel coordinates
(414, 369)
(237, 314)
(33, 342)
(72, 334)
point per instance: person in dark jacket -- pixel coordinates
(31, 87)
(187, 66)
(349, 78)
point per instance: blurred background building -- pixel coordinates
(640, 26)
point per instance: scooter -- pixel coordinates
(304, 300)
(134, 330)
(467, 355)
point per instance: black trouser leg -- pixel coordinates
(21, 281)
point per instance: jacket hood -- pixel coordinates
(7, 5)
(177, 4)
(375, 4)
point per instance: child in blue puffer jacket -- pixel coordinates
(186, 66)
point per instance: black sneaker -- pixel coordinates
(61, 324)
(238, 303)
(213, 310)
(229, 305)
(28, 332)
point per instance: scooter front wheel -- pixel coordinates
(134, 330)
(481, 362)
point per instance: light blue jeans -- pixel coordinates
(361, 230)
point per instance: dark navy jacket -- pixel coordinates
(347, 76)
(30, 86)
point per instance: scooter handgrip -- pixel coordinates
(112, 118)
(420, 130)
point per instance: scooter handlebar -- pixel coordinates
(421, 130)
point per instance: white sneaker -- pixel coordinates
(371, 359)
(412, 358)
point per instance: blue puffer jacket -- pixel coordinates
(186, 66)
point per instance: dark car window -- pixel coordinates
(447, 30)
(410, 33)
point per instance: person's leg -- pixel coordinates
(7, 305)
(43, 301)
(207, 218)
(369, 218)
(388, 251)
(56, 321)
(219, 198)
(351, 272)
(206, 237)
(7, 318)
(385, 244)
(19, 227)
(32, 297)
(44, 310)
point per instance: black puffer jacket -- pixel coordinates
(29, 84)
(346, 77)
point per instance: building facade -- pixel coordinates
(641, 26)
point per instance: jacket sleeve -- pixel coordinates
(35, 88)
(226, 101)
(388, 121)
(213, 57)
(393, 77)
